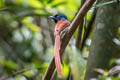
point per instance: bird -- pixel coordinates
(61, 23)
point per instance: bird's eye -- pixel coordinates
(57, 16)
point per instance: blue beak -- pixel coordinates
(52, 17)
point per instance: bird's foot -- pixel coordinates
(63, 32)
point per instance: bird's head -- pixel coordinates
(58, 17)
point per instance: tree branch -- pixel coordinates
(18, 72)
(3, 9)
(79, 34)
(89, 28)
(84, 9)
(80, 28)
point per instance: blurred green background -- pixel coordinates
(26, 38)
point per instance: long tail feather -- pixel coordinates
(57, 55)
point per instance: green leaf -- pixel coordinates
(19, 77)
(1, 4)
(58, 4)
(77, 63)
(112, 61)
(115, 78)
(49, 1)
(10, 64)
(103, 4)
(65, 69)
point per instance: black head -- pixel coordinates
(58, 17)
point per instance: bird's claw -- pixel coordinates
(63, 32)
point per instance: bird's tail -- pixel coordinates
(57, 55)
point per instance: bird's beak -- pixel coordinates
(51, 17)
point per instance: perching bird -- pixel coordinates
(61, 24)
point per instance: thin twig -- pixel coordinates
(88, 30)
(80, 28)
(79, 34)
(6, 46)
(19, 72)
(71, 77)
(69, 74)
(3, 9)
(87, 5)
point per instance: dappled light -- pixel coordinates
(87, 39)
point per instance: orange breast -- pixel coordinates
(61, 25)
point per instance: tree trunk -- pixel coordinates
(103, 47)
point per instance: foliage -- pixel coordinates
(77, 63)
(25, 51)
(26, 39)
